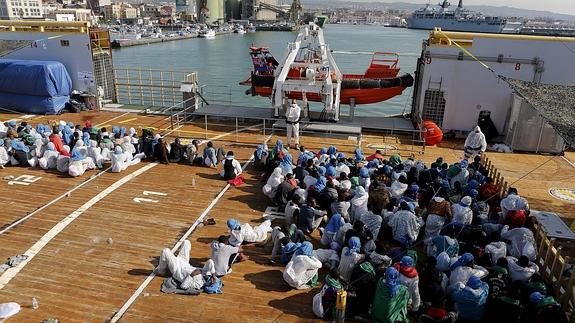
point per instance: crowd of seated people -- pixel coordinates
(408, 241)
(74, 149)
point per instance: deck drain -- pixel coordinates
(563, 194)
(383, 147)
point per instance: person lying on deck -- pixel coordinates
(180, 269)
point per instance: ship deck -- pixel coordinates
(77, 275)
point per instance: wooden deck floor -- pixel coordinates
(79, 277)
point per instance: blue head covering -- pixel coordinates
(358, 154)
(40, 128)
(233, 224)
(323, 151)
(76, 155)
(279, 144)
(331, 150)
(465, 259)
(463, 164)
(12, 124)
(387, 170)
(373, 164)
(536, 297)
(115, 130)
(259, 151)
(321, 171)
(473, 194)
(473, 184)
(334, 223)
(363, 172)
(330, 171)
(340, 155)
(305, 249)
(18, 145)
(320, 184)
(392, 280)
(70, 124)
(354, 245)
(286, 163)
(122, 132)
(407, 261)
(86, 139)
(414, 188)
(67, 135)
(411, 207)
(474, 282)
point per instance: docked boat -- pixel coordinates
(460, 19)
(207, 33)
(240, 30)
(378, 83)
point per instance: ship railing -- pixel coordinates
(149, 87)
(215, 94)
(405, 141)
(551, 261)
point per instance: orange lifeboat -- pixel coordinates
(379, 82)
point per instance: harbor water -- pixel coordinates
(223, 62)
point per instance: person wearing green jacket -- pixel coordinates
(391, 298)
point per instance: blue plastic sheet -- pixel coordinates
(33, 104)
(42, 78)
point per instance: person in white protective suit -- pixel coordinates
(80, 146)
(358, 204)
(475, 144)
(49, 159)
(244, 232)
(4, 158)
(521, 241)
(302, 268)
(119, 160)
(521, 269)
(293, 114)
(180, 269)
(63, 161)
(512, 202)
(107, 147)
(275, 179)
(463, 268)
(79, 163)
(127, 145)
(95, 153)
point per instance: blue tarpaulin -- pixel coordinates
(41, 87)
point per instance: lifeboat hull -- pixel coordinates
(362, 96)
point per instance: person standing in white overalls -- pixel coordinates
(292, 123)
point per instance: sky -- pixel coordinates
(558, 6)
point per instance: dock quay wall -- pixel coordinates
(145, 41)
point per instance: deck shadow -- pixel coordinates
(139, 272)
(297, 305)
(269, 281)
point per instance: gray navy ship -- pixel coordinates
(460, 19)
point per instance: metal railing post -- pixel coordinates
(237, 135)
(206, 126)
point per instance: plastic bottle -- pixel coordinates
(35, 304)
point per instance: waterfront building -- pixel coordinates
(21, 9)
